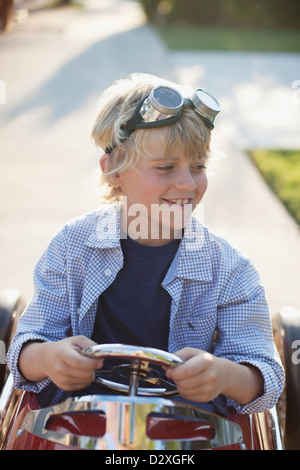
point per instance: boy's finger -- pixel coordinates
(193, 366)
(187, 353)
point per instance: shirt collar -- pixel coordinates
(106, 233)
(192, 262)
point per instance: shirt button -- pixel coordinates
(107, 272)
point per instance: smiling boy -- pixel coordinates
(145, 271)
(161, 191)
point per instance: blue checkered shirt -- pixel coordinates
(218, 301)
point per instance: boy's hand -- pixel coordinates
(204, 376)
(199, 378)
(61, 361)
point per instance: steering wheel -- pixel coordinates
(137, 371)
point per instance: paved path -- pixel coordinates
(260, 110)
(56, 64)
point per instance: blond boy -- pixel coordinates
(145, 271)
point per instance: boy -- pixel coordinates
(144, 271)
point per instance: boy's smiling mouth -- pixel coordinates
(178, 201)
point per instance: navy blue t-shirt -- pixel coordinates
(135, 308)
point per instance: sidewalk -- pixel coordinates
(65, 59)
(259, 111)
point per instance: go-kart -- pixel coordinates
(143, 413)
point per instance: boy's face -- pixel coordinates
(159, 194)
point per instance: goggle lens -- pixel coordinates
(205, 104)
(166, 100)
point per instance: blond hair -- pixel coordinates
(116, 106)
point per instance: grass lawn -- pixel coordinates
(281, 170)
(198, 38)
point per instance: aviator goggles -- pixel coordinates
(164, 106)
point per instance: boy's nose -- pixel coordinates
(184, 180)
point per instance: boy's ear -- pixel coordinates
(103, 166)
(103, 162)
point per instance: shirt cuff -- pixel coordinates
(12, 359)
(273, 377)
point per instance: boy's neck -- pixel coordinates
(140, 229)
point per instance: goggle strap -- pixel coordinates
(161, 122)
(206, 121)
(145, 125)
(109, 149)
(136, 118)
(130, 125)
(188, 102)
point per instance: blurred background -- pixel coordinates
(57, 57)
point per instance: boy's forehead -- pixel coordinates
(160, 144)
(161, 153)
(158, 150)
(156, 147)
(173, 156)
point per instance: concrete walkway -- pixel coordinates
(57, 63)
(260, 110)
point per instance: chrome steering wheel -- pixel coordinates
(137, 371)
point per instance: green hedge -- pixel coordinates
(233, 13)
(281, 170)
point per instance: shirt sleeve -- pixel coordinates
(46, 318)
(244, 334)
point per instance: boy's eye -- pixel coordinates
(199, 167)
(165, 167)
(170, 167)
